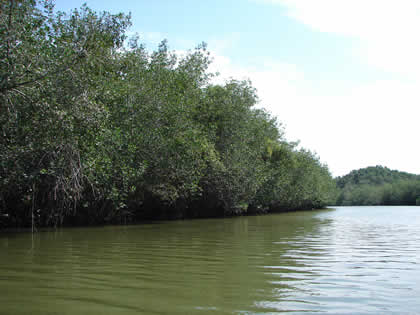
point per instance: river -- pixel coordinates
(348, 260)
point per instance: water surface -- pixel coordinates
(351, 260)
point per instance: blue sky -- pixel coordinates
(342, 76)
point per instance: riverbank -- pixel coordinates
(166, 215)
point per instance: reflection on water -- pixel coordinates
(348, 260)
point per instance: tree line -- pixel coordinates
(96, 129)
(378, 186)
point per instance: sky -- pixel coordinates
(342, 77)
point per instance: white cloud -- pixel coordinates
(375, 124)
(267, 75)
(359, 18)
(360, 125)
(369, 125)
(388, 30)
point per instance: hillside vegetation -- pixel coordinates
(96, 129)
(378, 186)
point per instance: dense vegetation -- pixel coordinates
(378, 186)
(96, 129)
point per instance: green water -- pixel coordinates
(357, 260)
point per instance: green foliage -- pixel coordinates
(49, 113)
(378, 186)
(97, 131)
(297, 180)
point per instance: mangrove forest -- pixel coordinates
(378, 186)
(97, 129)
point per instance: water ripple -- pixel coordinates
(347, 261)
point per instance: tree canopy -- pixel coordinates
(378, 186)
(96, 129)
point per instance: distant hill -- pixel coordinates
(374, 175)
(378, 185)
